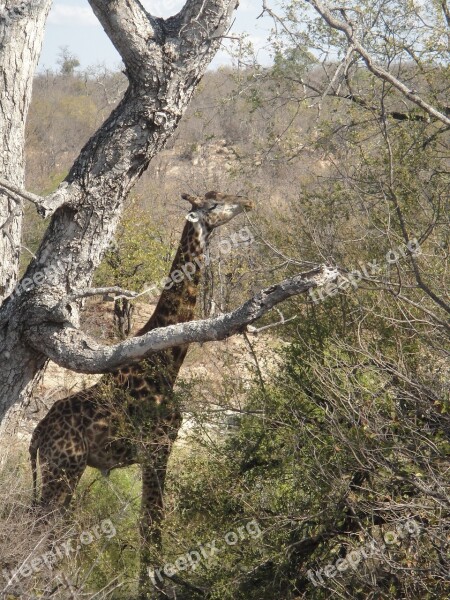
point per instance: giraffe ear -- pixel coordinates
(192, 217)
(196, 202)
(214, 196)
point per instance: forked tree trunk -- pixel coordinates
(165, 60)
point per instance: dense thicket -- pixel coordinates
(339, 447)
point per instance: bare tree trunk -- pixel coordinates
(165, 60)
(21, 32)
(123, 317)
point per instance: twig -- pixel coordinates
(378, 71)
(102, 291)
(46, 205)
(283, 321)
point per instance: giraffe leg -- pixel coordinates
(152, 508)
(58, 484)
(61, 471)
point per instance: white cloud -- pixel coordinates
(247, 6)
(72, 15)
(163, 8)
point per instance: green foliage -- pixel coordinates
(324, 460)
(113, 554)
(349, 436)
(67, 61)
(139, 256)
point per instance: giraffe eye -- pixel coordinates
(214, 206)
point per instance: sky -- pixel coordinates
(72, 23)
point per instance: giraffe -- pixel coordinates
(130, 415)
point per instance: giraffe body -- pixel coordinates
(93, 428)
(130, 415)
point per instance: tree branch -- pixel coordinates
(71, 348)
(195, 13)
(378, 71)
(446, 11)
(394, 114)
(135, 33)
(103, 291)
(282, 321)
(46, 205)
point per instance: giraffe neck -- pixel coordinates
(156, 373)
(176, 305)
(178, 298)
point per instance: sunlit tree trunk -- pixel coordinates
(21, 32)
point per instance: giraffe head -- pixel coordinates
(216, 209)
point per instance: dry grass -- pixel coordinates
(212, 385)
